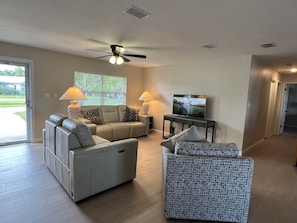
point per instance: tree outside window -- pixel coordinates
(101, 89)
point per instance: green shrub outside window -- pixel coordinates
(101, 89)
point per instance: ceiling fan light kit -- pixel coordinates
(116, 60)
(117, 54)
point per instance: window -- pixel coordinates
(101, 89)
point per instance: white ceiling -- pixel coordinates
(174, 32)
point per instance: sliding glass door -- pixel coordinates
(14, 102)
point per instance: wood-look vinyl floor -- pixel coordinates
(30, 193)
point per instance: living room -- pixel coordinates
(237, 86)
(230, 80)
(218, 79)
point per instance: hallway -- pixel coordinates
(274, 192)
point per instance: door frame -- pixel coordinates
(29, 77)
(272, 112)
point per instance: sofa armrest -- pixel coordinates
(146, 120)
(92, 128)
(125, 143)
(84, 120)
(97, 168)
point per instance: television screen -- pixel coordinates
(189, 105)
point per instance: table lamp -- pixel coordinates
(73, 94)
(145, 97)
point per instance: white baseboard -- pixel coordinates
(251, 147)
(37, 140)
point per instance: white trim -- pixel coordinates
(30, 81)
(251, 147)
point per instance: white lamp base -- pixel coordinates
(74, 110)
(145, 107)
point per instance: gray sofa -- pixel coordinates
(114, 122)
(86, 164)
(206, 181)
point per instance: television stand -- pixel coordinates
(200, 122)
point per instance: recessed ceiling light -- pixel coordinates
(293, 70)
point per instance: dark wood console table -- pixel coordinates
(189, 121)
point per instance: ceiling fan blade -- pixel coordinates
(125, 59)
(135, 55)
(97, 41)
(98, 50)
(103, 56)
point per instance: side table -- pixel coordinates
(151, 119)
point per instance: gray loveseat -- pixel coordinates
(86, 164)
(114, 122)
(205, 181)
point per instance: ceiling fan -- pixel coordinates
(117, 55)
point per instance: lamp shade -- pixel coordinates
(73, 93)
(146, 96)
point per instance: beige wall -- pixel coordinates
(224, 81)
(53, 73)
(237, 88)
(261, 77)
(289, 78)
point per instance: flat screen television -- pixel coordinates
(189, 105)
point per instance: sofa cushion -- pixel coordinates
(110, 113)
(58, 118)
(190, 134)
(104, 131)
(122, 112)
(93, 115)
(137, 129)
(206, 149)
(81, 131)
(120, 130)
(131, 115)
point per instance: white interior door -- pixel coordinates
(271, 113)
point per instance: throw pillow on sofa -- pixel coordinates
(131, 115)
(190, 134)
(93, 115)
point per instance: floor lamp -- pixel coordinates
(145, 97)
(73, 94)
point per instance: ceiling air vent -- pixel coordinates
(209, 46)
(137, 12)
(268, 45)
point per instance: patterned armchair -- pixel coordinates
(206, 181)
